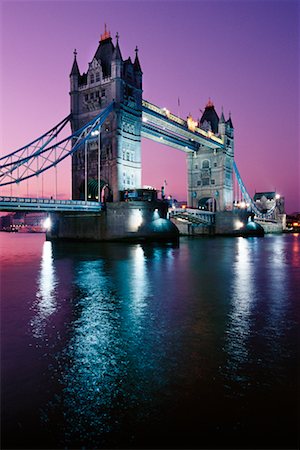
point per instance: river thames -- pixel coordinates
(149, 346)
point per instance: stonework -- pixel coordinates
(210, 172)
(108, 79)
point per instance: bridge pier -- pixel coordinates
(129, 221)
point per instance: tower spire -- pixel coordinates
(105, 35)
(117, 52)
(75, 68)
(136, 63)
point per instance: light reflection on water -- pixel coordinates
(46, 303)
(149, 333)
(242, 300)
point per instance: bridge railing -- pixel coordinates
(172, 117)
(47, 201)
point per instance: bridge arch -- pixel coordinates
(93, 190)
(207, 204)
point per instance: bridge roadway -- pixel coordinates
(16, 204)
(159, 125)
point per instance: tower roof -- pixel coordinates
(222, 118)
(136, 64)
(210, 116)
(104, 52)
(117, 52)
(229, 121)
(75, 68)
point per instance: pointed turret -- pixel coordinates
(74, 83)
(222, 118)
(116, 62)
(75, 69)
(117, 52)
(210, 116)
(229, 121)
(136, 64)
(222, 124)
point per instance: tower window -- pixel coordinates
(127, 156)
(205, 182)
(215, 164)
(92, 95)
(212, 181)
(97, 94)
(86, 97)
(199, 183)
(196, 166)
(205, 164)
(92, 78)
(97, 77)
(102, 92)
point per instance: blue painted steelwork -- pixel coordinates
(158, 124)
(47, 205)
(248, 198)
(53, 155)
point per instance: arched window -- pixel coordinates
(205, 164)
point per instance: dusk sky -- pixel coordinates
(244, 55)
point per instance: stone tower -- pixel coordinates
(108, 79)
(210, 182)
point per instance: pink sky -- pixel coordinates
(242, 54)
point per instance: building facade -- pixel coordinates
(210, 172)
(108, 79)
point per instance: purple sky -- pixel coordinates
(242, 54)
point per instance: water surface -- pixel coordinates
(149, 346)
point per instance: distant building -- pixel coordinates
(22, 222)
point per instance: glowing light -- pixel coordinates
(47, 223)
(135, 220)
(95, 133)
(167, 112)
(145, 119)
(242, 205)
(191, 123)
(277, 196)
(239, 224)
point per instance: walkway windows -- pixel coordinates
(205, 164)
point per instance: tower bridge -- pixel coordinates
(108, 118)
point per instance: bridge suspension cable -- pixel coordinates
(248, 199)
(29, 149)
(19, 166)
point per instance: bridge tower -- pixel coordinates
(108, 79)
(210, 172)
